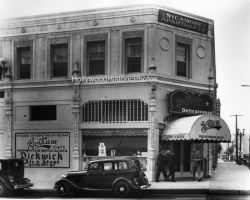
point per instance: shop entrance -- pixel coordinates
(182, 151)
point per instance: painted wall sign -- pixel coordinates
(45, 150)
(182, 22)
(187, 102)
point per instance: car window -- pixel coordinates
(95, 166)
(107, 166)
(123, 166)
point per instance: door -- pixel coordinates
(182, 151)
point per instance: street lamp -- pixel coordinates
(240, 134)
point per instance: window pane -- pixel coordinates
(60, 60)
(24, 62)
(182, 59)
(181, 69)
(133, 55)
(42, 113)
(24, 71)
(96, 58)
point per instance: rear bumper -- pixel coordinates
(145, 186)
(22, 186)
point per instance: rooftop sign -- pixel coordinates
(182, 22)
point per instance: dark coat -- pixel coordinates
(170, 160)
(161, 160)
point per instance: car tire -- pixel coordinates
(63, 189)
(122, 189)
(3, 189)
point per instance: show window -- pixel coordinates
(24, 62)
(43, 113)
(59, 56)
(96, 58)
(115, 146)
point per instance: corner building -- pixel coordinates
(113, 82)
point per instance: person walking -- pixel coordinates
(171, 165)
(161, 163)
(197, 164)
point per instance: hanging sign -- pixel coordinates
(182, 22)
(46, 150)
(188, 102)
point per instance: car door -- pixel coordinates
(110, 173)
(93, 177)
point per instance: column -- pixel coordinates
(8, 114)
(76, 119)
(152, 136)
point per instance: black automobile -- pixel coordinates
(12, 176)
(120, 176)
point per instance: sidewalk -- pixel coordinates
(228, 178)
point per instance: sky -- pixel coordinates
(232, 41)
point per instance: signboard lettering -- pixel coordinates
(187, 102)
(43, 149)
(182, 22)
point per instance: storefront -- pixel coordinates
(184, 134)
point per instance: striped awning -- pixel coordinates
(210, 128)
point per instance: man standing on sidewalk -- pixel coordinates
(171, 165)
(161, 163)
(197, 160)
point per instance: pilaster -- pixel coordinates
(8, 114)
(151, 170)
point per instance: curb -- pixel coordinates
(42, 192)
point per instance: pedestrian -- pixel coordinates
(171, 165)
(197, 164)
(161, 163)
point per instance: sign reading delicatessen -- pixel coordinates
(45, 150)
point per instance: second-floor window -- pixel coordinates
(59, 60)
(24, 62)
(96, 58)
(182, 60)
(133, 55)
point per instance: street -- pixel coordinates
(153, 196)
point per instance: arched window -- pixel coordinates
(115, 111)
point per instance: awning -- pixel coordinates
(207, 128)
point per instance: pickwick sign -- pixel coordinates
(182, 22)
(45, 150)
(188, 102)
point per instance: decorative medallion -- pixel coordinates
(164, 44)
(23, 30)
(59, 27)
(132, 19)
(201, 51)
(95, 23)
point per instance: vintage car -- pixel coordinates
(120, 176)
(12, 176)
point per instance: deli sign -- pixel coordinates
(182, 22)
(46, 150)
(188, 102)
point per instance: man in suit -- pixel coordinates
(161, 163)
(171, 165)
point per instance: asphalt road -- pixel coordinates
(140, 197)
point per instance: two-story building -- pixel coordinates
(117, 82)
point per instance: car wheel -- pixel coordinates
(122, 189)
(3, 189)
(63, 189)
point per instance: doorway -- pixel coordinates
(182, 151)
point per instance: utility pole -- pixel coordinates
(236, 132)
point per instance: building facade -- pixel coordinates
(91, 84)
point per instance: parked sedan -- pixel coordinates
(12, 176)
(121, 176)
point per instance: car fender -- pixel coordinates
(6, 185)
(72, 185)
(126, 180)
